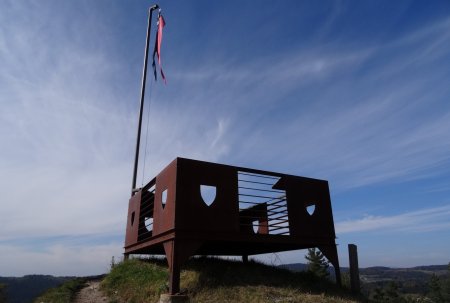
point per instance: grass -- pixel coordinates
(136, 281)
(207, 280)
(64, 293)
(217, 280)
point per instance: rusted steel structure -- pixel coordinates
(200, 208)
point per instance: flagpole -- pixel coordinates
(141, 108)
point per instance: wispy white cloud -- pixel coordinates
(353, 130)
(425, 220)
(67, 133)
(50, 202)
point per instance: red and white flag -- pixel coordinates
(157, 50)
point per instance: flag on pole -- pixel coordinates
(157, 50)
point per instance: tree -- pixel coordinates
(446, 287)
(392, 293)
(317, 263)
(379, 295)
(2, 293)
(389, 293)
(435, 293)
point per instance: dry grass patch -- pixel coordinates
(216, 280)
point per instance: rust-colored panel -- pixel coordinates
(164, 217)
(131, 235)
(302, 193)
(192, 212)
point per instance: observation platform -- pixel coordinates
(199, 208)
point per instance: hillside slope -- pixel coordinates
(26, 288)
(414, 280)
(216, 280)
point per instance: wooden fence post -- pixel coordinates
(354, 269)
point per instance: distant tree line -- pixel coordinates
(438, 291)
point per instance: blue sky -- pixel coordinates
(353, 92)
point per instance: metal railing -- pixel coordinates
(262, 207)
(146, 211)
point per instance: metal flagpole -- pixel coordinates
(144, 78)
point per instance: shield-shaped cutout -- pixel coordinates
(208, 194)
(164, 198)
(311, 209)
(132, 218)
(255, 225)
(148, 221)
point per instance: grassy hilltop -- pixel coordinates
(216, 280)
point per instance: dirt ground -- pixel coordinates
(91, 294)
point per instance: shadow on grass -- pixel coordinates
(214, 272)
(213, 275)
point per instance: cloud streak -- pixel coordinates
(354, 131)
(424, 220)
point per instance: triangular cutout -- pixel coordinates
(132, 218)
(311, 209)
(255, 226)
(164, 198)
(208, 194)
